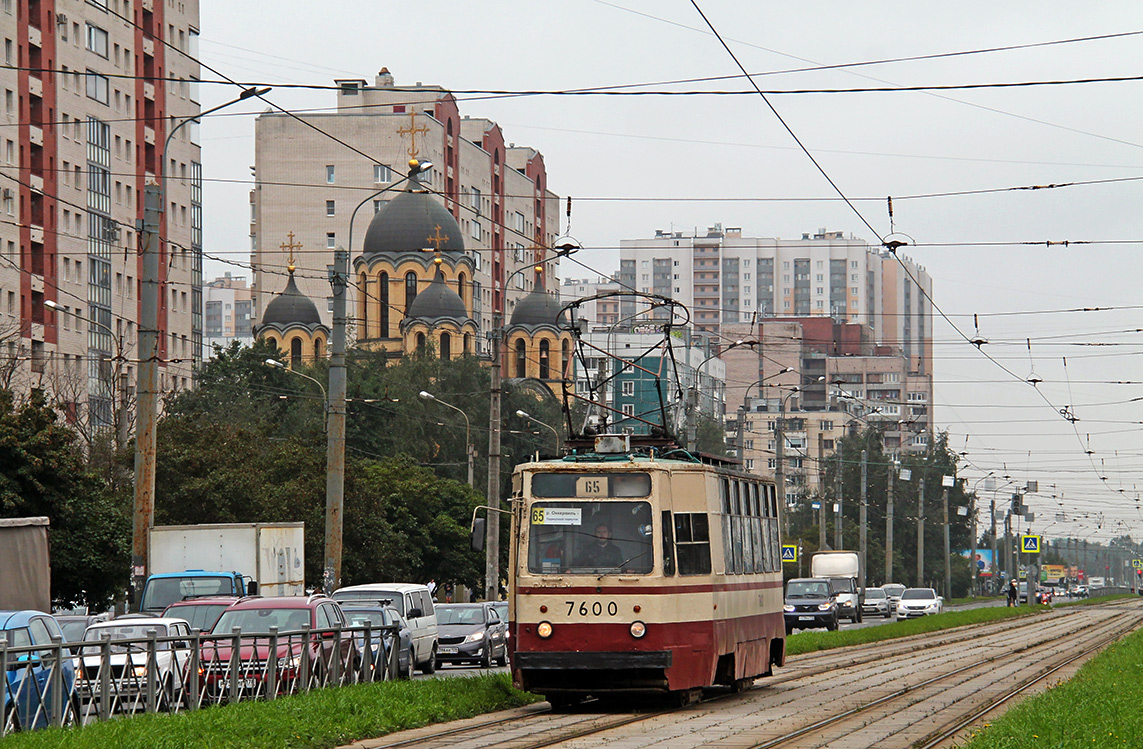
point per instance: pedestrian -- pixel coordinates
(432, 586)
(1012, 593)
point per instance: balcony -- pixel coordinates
(35, 38)
(35, 86)
(148, 42)
(36, 135)
(148, 90)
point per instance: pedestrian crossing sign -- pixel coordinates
(1137, 564)
(789, 552)
(1030, 544)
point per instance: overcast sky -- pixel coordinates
(637, 164)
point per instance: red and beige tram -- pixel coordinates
(633, 571)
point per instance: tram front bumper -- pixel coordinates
(593, 672)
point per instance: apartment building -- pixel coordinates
(228, 312)
(601, 311)
(725, 278)
(313, 182)
(93, 91)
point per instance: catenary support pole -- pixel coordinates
(335, 438)
(921, 534)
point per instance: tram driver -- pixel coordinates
(601, 553)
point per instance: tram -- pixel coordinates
(642, 568)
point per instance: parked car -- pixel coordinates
(502, 611)
(877, 603)
(917, 602)
(381, 645)
(810, 603)
(412, 601)
(471, 633)
(74, 625)
(201, 613)
(128, 662)
(29, 691)
(289, 614)
(1022, 591)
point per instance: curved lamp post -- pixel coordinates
(325, 399)
(525, 415)
(467, 428)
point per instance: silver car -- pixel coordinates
(919, 602)
(877, 603)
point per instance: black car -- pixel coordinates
(382, 616)
(471, 633)
(810, 603)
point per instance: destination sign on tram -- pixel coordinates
(557, 516)
(591, 485)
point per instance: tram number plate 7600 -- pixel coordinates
(592, 608)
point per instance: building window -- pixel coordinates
(97, 40)
(628, 409)
(521, 359)
(330, 174)
(330, 208)
(331, 241)
(628, 387)
(476, 230)
(97, 87)
(383, 299)
(446, 346)
(382, 173)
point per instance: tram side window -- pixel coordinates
(692, 543)
(668, 545)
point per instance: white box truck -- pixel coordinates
(25, 571)
(224, 559)
(843, 570)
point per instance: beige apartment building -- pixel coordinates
(92, 91)
(309, 186)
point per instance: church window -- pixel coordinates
(446, 346)
(420, 341)
(318, 349)
(383, 299)
(545, 359)
(460, 284)
(468, 343)
(295, 352)
(521, 358)
(565, 358)
(410, 290)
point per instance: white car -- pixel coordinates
(128, 662)
(919, 602)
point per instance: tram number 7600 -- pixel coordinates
(592, 608)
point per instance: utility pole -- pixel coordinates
(972, 553)
(779, 469)
(821, 493)
(921, 534)
(335, 438)
(837, 544)
(492, 527)
(147, 386)
(948, 550)
(890, 481)
(995, 559)
(864, 515)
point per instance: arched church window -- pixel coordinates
(319, 349)
(446, 346)
(383, 299)
(521, 358)
(420, 341)
(295, 352)
(410, 290)
(565, 358)
(545, 359)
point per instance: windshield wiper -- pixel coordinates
(619, 567)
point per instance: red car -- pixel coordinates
(299, 661)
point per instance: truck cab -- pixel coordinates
(161, 590)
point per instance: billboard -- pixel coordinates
(983, 561)
(1053, 572)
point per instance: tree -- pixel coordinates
(42, 473)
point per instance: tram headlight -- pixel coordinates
(638, 629)
(544, 630)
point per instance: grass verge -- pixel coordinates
(315, 720)
(1098, 707)
(1097, 599)
(809, 642)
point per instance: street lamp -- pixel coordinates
(467, 428)
(325, 400)
(746, 405)
(525, 415)
(147, 385)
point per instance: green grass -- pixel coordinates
(315, 720)
(1097, 599)
(1098, 707)
(809, 642)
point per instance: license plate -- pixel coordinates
(805, 618)
(247, 683)
(448, 650)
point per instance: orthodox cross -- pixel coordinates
(437, 239)
(412, 131)
(291, 246)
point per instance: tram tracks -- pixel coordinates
(846, 692)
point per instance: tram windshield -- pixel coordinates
(590, 538)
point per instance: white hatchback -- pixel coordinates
(412, 601)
